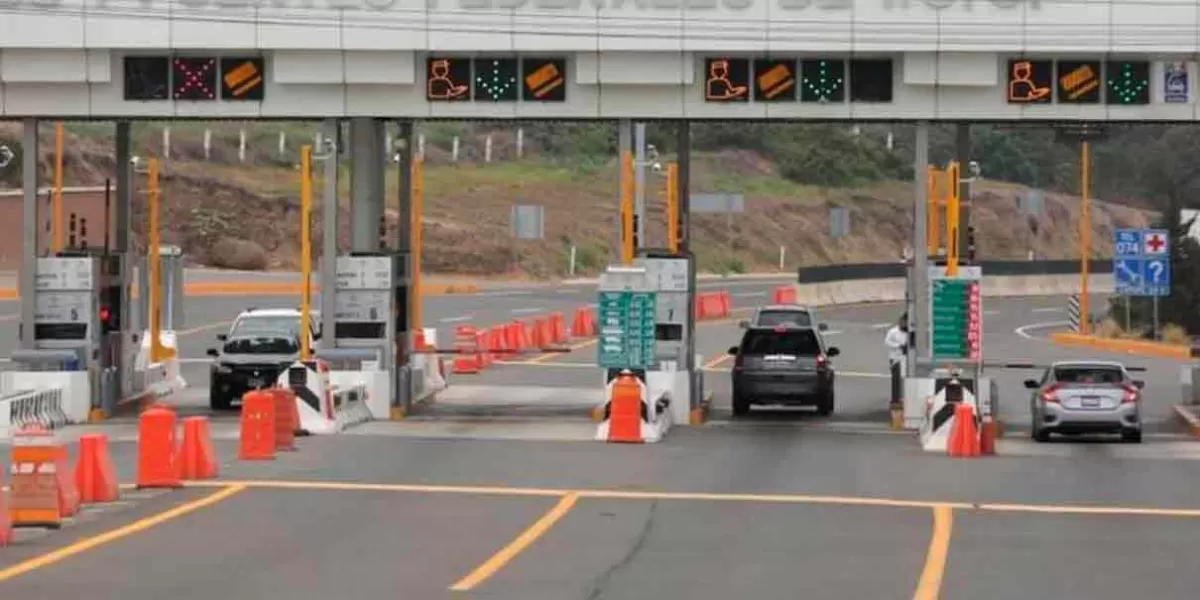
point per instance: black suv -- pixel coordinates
(259, 346)
(783, 365)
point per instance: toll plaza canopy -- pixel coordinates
(979, 60)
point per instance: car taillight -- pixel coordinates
(1049, 394)
(821, 361)
(1130, 396)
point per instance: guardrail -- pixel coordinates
(857, 271)
(21, 408)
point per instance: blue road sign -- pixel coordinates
(1142, 265)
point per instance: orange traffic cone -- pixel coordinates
(257, 438)
(198, 457)
(95, 475)
(157, 458)
(625, 410)
(964, 434)
(987, 436)
(286, 421)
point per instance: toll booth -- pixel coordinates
(370, 327)
(646, 321)
(80, 304)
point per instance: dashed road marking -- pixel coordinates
(526, 310)
(881, 326)
(458, 319)
(750, 295)
(1047, 309)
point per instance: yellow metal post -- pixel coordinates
(933, 221)
(157, 352)
(1085, 235)
(673, 207)
(627, 248)
(418, 209)
(952, 249)
(306, 174)
(56, 208)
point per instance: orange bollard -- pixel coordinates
(987, 436)
(37, 497)
(285, 427)
(68, 493)
(257, 438)
(157, 460)
(95, 475)
(199, 459)
(625, 410)
(468, 359)
(725, 299)
(964, 435)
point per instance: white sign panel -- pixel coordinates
(667, 274)
(717, 203)
(64, 274)
(361, 306)
(61, 307)
(364, 273)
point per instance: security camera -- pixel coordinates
(974, 169)
(135, 160)
(656, 167)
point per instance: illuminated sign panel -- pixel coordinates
(774, 80)
(1030, 81)
(496, 80)
(871, 80)
(1079, 81)
(1128, 82)
(447, 79)
(823, 80)
(195, 78)
(727, 79)
(545, 79)
(242, 79)
(147, 78)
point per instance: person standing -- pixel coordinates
(897, 345)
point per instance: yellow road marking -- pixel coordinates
(726, 497)
(715, 362)
(201, 328)
(930, 585)
(115, 534)
(527, 537)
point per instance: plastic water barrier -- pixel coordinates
(22, 408)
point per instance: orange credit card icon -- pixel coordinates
(776, 80)
(242, 79)
(544, 80)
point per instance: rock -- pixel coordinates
(239, 254)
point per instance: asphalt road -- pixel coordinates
(771, 506)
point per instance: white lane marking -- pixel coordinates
(750, 295)
(194, 361)
(563, 291)
(991, 312)
(459, 319)
(881, 326)
(833, 332)
(526, 311)
(1047, 309)
(1023, 330)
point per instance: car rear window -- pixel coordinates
(1088, 374)
(772, 318)
(801, 342)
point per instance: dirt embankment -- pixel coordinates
(247, 216)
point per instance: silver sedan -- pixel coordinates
(1086, 397)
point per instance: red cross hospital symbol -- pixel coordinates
(1155, 243)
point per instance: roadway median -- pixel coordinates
(1136, 347)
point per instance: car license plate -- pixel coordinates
(1090, 401)
(255, 383)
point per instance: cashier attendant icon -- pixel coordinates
(719, 85)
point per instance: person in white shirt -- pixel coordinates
(897, 345)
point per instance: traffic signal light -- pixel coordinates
(110, 309)
(634, 233)
(970, 245)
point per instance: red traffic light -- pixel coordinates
(104, 313)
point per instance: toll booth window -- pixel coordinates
(359, 330)
(796, 343)
(60, 331)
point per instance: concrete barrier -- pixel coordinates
(893, 289)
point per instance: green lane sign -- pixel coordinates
(626, 330)
(956, 319)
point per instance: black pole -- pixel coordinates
(107, 212)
